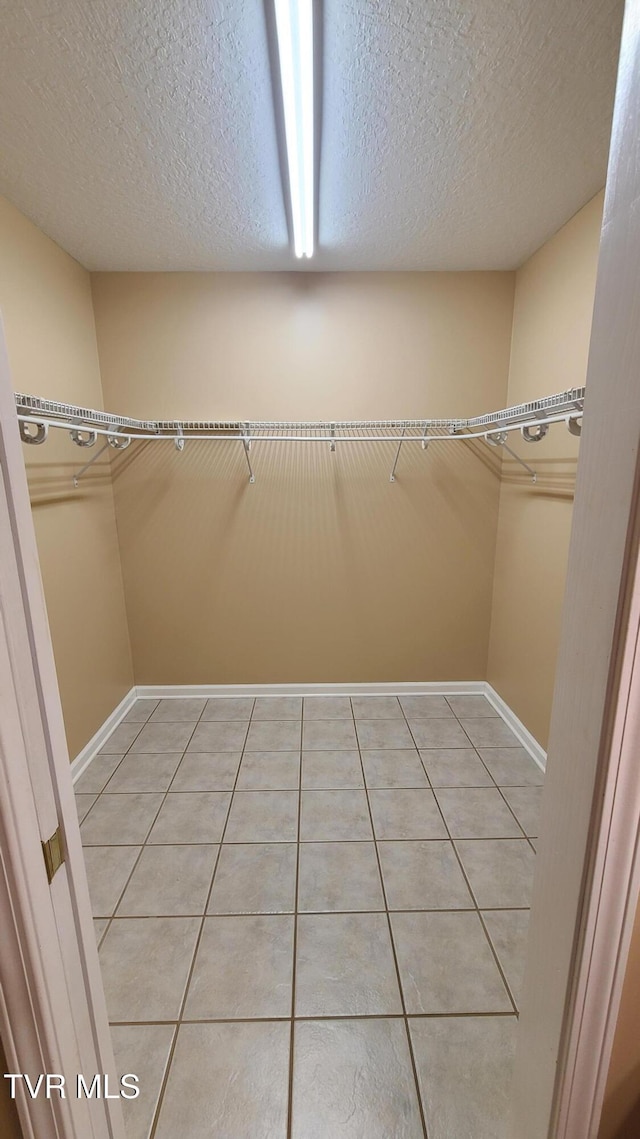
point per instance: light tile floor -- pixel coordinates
(312, 914)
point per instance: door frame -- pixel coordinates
(53, 1016)
(587, 875)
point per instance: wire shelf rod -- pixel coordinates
(450, 436)
(69, 416)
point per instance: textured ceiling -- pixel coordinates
(457, 134)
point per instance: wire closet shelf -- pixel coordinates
(36, 416)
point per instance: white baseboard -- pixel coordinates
(382, 688)
(527, 741)
(90, 750)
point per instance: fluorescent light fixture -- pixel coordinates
(294, 29)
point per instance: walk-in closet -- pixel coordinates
(298, 305)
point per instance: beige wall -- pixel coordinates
(45, 300)
(551, 329)
(322, 570)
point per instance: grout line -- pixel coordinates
(334, 1016)
(317, 913)
(393, 946)
(167, 1071)
(295, 939)
(359, 787)
(309, 841)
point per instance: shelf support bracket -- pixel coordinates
(392, 476)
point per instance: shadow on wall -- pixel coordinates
(616, 1106)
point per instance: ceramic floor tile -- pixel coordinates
(84, 803)
(164, 737)
(256, 878)
(376, 707)
(207, 771)
(278, 708)
(141, 772)
(500, 871)
(145, 964)
(169, 881)
(406, 814)
(326, 770)
(477, 812)
(243, 969)
(353, 1079)
(121, 739)
(191, 817)
(464, 1069)
(274, 735)
(144, 1050)
(96, 776)
(446, 964)
(345, 966)
(108, 868)
(327, 708)
(328, 735)
(439, 733)
(263, 816)
(334, 815)
(512, 767)
(228, 708)
(389, 768)
(178, 708)
(489, 732)
(219, 735)
(99, 926)
(508, 931)
(269, 771)
(228, 1081)
(425, 707)
(455, 767)
(120, 820)
(339, 876)
(525, 802)
(139, 713)
(473, 707)
(423, 876)
(373, 734)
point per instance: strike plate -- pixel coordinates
(53, 850)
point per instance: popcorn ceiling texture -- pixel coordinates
(457, 134)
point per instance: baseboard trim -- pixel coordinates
(528, 742)
(91, 749)
(381, 688)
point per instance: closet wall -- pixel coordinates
(621, 1109)
(45, 301)
(323, 570)
(553, 306)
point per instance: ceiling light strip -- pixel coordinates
(294, 28)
